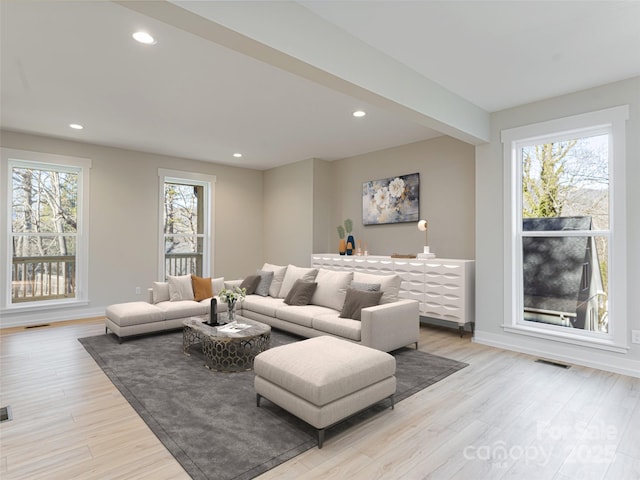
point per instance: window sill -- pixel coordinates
(601, 344)
(45, 305)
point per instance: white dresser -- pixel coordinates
(444, 288)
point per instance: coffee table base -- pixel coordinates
(226, 354)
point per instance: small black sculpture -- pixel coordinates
(213, 313)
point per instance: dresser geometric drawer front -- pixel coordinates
(444, 312)
(412, 286)
(445, 268)
(444, 288)
(415, 287)
(411, 295)
(450, 301)
(447, 278)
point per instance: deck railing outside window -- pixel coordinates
(183, 263)
(49, 278)
(43, 278)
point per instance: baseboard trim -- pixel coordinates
(49, 316)
(602, 361)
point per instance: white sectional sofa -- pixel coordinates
(168, 305)
(392, 324)
(331, 307)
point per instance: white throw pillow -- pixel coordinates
(332, 288)
(180, 288)
(389, 284)
(278, 277)
(160, 292)
(217, 284)
(294, 273)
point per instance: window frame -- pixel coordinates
(208, 183)
(28, 159)
(613, 122)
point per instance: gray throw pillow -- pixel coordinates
(265, 282)
(251, 283)
(300, 293)
(366, 287)
(357, 300)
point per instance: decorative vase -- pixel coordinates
(231, 311)
(350, 243)
(342, 248)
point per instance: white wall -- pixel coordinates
(288, 214)
(306, 201)
(123, 235)
(323, 192)
(489, 226)
(447, 198)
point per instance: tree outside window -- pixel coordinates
(44, 227)
(565, 201)
(183, 228)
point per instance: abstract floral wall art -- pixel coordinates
(391, 200)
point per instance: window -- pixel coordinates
(45, 233)
(564, 185)
(185, 203)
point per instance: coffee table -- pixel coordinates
(225, 348)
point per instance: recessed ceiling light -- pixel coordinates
(144, 37)
(359, 113)
(237, 155)
(76, 126)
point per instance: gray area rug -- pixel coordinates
(209, 420)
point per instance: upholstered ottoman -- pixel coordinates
(133, 318)
(324, 380)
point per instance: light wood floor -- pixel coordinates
(502, 417)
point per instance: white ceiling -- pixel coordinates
(500, 54)
(187, 96)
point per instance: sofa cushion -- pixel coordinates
(217, 285)
(367, 287)
(134, 313)
(183, 309)
(302, 315)
(301, 293)
(332, 288)
(341, 327)
(202, 288)
(294, 273)
(356, 300)
(264, 305)
(160, 292)
(250, 284)
(389, 284)
(265, 282)
(278, 276)
(180, 288)
(299, 315)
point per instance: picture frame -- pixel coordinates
(391, 200)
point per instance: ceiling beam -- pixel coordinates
(290, 37)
